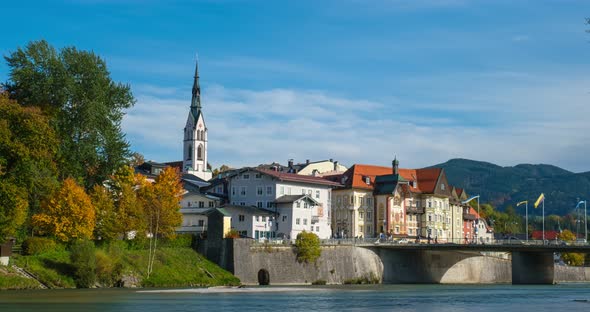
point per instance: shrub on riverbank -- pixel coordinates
(308, 247)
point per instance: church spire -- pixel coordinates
(196, 100)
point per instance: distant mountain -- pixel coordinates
(503, 186)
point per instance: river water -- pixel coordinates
(505, 298)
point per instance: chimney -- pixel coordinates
(336, 166)
(395, 164)
(290, 163)
(331, 160)
(307, 161)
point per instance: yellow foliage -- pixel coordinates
(161, 202)
(67, 214)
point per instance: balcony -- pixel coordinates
(414, 210)
(315, 219)
(468, 216)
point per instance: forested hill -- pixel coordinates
(503, 186)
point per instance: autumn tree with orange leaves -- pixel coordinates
(68, 214)
(161, 203)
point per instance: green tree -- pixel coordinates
(27, 163)
(83, 260)
(130, 215)
(570, 258)
(86, 106)
(308, 247)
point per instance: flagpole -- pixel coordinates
(526, 207)
(585, 223)
(543, 221)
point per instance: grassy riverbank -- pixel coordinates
(174, 266)
(10, 279)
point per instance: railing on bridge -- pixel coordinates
(421, 241)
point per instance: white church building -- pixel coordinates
(194, 159)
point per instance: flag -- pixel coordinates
(540, 200)
(522, 203)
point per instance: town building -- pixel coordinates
(194, 207)
(263, 188)
(251, 221)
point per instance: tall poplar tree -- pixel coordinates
(86, 106)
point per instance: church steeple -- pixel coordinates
(196, 99)
(195, 136)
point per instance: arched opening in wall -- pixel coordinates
(200, 152)
(263, 277)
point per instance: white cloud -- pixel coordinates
(540, 121)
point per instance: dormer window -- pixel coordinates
(368, 180)
(442, 186)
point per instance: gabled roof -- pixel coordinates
(293, 177)
(293, 198)
(357, 174)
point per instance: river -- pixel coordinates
(440, 298)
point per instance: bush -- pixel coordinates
(38, 245)
(232, 234)
(308, 247)
(180, 241)
(319, 282)
(83, 261)
(109, 268)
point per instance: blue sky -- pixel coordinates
(357, 81)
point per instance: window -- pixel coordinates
(298, 203)
(442, 186)
(269, 190)
(201, 204)
(211, 204)
(259, 190)
(258, 175)
(289, 191)
(361, 215)
(317, 194)
(303, 191)
(219, 189)
(309, 192)
(259, 204)
(361, 200)
(269, 204)
(189, 155)
(369, 215)
(411, 231)
(312, 228)
(263, 218)
(339, 199)
(352, 200)
(233, 190)
(284, 218)
(429, 204)
(243, 191)
(304, 221)
(282, 190)
(369, 201)
(257, 218)
(317, 228)
(242, 204)
(368, 180)
(200, 152)
(304, 204)
(297, 221)
(429, 218)
(201, 222)
(241, 218)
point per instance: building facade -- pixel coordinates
(261, 188)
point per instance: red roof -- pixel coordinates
(293, 177)
(358, 173)
(548, 234)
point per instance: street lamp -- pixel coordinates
(526, 202)
(585, 219)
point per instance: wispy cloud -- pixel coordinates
(249, 127)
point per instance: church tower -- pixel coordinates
(195, 136)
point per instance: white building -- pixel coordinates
(261, 188)
(296, 214)
(194, 207)
(251, 221)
